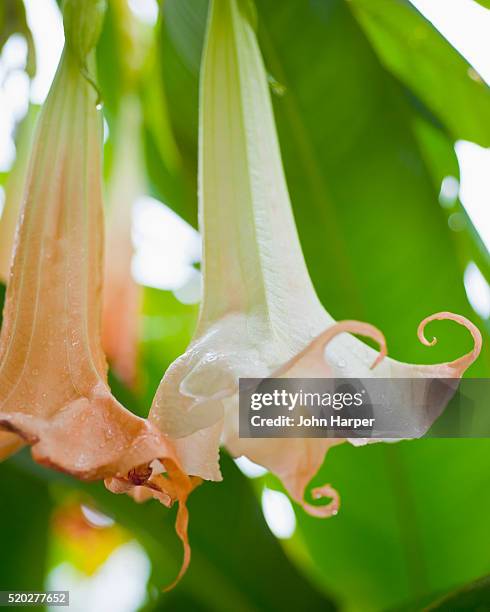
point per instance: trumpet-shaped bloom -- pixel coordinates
(121, 293)
(14, 192)
(10, 443)
(260, 315)
(53, 374)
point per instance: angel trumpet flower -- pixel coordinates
(122, 295)
(14, 192)
(53, 375)
(121, 292)
(260, 315)
(9, 442)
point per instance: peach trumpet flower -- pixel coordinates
(54, 393)
(9, 442)
(14, 191)
(260, 315)
(122, 295)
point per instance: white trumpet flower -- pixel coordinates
(260, 315)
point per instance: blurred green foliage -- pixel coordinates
(475, 596)
(369, 99)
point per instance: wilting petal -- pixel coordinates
(121, 293)
(260, 315)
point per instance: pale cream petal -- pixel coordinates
(260, 315)
(199, 453)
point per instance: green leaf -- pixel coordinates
(441, 159)
(25, 511)
(411, 47)
(473, 596)
(412, 521)
(167, 329)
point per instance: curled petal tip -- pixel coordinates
(462, 363)
(382, 354)
(330, 509)
(315, 350)
(368, 331)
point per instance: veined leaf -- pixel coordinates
(410, 47)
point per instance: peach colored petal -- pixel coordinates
(53, 390)
(296, 460)
(122, 295)
(53, 374)
(121, 310)
(172, 486)
(458, 366)
(14, 192)
(311, 358)
(9, 444)
(326, 510)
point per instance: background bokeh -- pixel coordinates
(384, 127)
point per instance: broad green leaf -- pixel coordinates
(441, 159)
(25, 511)
(412, 522)
(167, 329)
(411, 47)
(473, 596)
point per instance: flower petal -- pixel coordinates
(52, 370)
(260, 315)
(53, 374)
(296, 460)
(14, 192)
(9, 444)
